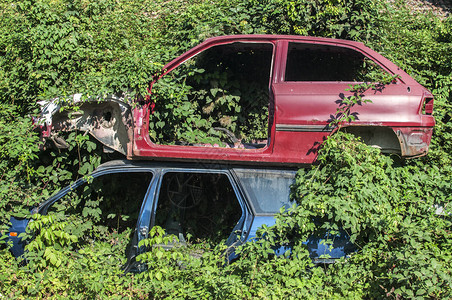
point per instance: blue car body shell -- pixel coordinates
(249, 222)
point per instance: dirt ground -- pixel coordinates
(438, 7)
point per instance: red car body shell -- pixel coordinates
(301, 111)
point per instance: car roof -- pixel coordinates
(273, 37)
(118, 164)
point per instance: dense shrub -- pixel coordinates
(397, 215)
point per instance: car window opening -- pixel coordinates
(221, 97)
(112, 200)
(310, 62)
(197, 208)
(268, 190)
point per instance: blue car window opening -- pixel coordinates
(117, 196)
(198, 197)
(267, 190)
(42, 208)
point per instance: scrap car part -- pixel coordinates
(109, 120)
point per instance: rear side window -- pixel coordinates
(268, 190)
(313, 62)
(198, 207)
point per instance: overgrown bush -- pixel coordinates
(397, 215)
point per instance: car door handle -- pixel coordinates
(144, 230)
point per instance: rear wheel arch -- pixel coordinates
(381, 137)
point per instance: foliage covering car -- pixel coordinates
(266, 99)
(196, 203)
